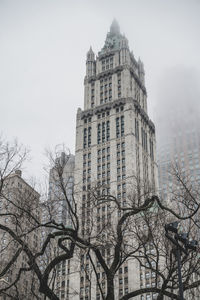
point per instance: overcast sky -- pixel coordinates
(43, 45)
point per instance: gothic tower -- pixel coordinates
(115, 139)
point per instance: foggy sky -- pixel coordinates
(178, 108)
(43, 46)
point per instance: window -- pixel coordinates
(125, 269)
(63, 283)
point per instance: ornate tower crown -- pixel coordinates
(114, 39)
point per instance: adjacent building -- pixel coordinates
(17, 201)
(60, 196)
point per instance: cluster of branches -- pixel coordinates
(134, 231)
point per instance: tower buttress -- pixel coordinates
(90, 63)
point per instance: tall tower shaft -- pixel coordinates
(115, 139)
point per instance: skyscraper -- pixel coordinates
(179, 133)
(179, 145)
(115, 142)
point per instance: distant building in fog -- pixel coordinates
(57, 210)
(178, 129)
(57, 200)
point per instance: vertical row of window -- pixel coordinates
(85, 218)
(123, 281)
(145, 168)
(92, 93)
(87, 137)
(121, 174)
(137, 92)
(103, 211)
(144, 139)
(103, 168)
(105, 89)
(62, 286)
(87, 167)
(148, 276)
(137, 129)
(107, 63)
(119, 127)
(137, 161)
(85, 277)
(151, 149)
(103, 132)
(119, 84)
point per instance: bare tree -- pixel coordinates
(104, 233)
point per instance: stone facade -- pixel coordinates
(115, 142)
(19, 197)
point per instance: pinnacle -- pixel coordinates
(114, 28)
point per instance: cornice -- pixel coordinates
(117, 103)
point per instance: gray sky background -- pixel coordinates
(43, 45)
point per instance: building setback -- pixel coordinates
(115, 144)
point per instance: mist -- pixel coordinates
(43, 47)
(178, 107)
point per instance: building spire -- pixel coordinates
(114, 28)
(90, 54)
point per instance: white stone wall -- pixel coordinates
(128, 92)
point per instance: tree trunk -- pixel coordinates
(44, 289)
(110, 288)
